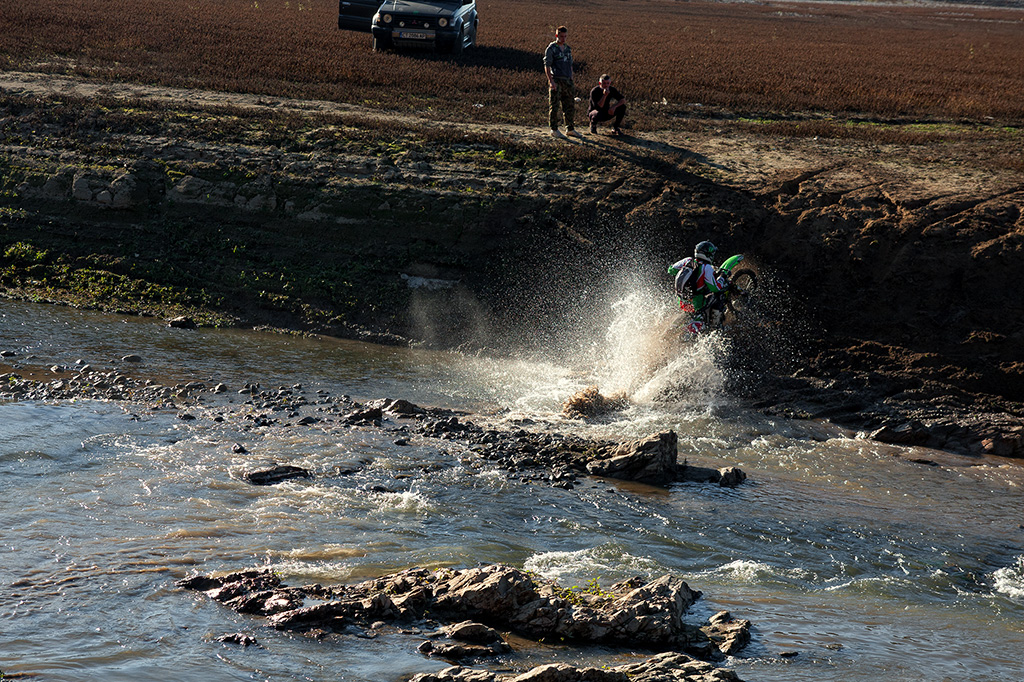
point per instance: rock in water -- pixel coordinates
(275, 474)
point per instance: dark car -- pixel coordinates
(442, 25)
(357, 15)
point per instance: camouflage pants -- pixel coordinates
(564, 96)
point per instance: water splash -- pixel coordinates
(608, 562)
(1009, 581)
(649, 357)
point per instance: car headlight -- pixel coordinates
(442, 22)
(387, 18)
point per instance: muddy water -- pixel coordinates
(864, 564)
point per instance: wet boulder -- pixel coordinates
(469, 631)
(369, 415)
(666, 667)
(649, 460)
(335, 615)
(238, 638)
(400, 407)
(726, 477)
(729, 635)
(182, 322)
(906, 433)
(675, 667)
(275, 474)
(459, 651)
(563, 672)
(456, 673)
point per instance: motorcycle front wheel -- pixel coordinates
(742, 286)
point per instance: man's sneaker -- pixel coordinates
(572, 132)
(593, 129)
(555, 132)
(616, 132)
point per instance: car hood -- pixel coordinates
(429, 9)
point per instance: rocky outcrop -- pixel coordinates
(652, 459)
(729, 635)
(648, 616)
(468, 640)
(649, 460)
(666, 667)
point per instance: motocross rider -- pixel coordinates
(696, 281)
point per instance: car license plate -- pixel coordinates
(415, 35)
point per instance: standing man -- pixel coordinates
(561, 90)
(606, 103)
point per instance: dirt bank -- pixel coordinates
(892, 266)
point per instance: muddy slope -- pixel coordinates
(892, 269)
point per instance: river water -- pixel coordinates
(842, 551)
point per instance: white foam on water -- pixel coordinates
(329, 552)
(1009, 581)
(409, 501)
(313, 571)
(756, 572)
(605, 561)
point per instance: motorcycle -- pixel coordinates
(738, 285)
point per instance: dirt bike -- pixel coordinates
(733, 300)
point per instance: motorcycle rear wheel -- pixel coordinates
(742, 285)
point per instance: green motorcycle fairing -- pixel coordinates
(730, 263)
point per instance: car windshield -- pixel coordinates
(435, 3)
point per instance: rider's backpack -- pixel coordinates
(686, 278)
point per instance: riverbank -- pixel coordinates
(341, 220)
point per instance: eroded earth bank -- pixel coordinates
(890, 268)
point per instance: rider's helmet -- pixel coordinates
(705, 251)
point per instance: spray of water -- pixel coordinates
(649, 357)
(628, 348)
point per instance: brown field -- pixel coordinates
(671, 58)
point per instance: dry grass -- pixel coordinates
(671, 58)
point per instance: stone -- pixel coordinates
(649, 460)
(182, 322)
(275, 474)
(81, 189)
(730, 477)
(729, 635)
(562, 672)
(907, 433)
(675, 667)
(456, 673)
(238, 638)
(469, 631)
(369, 415)
(396, 406)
